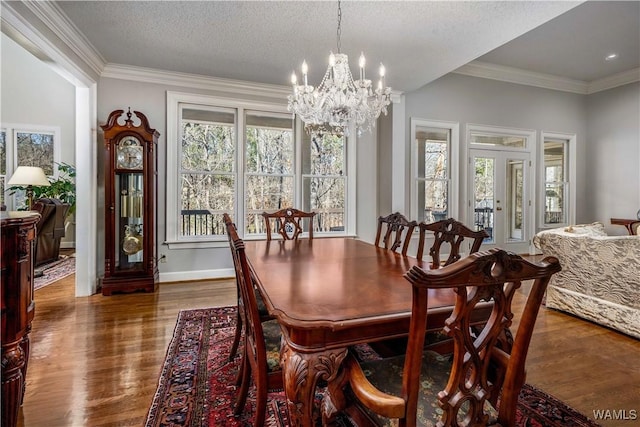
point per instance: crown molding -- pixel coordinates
(18, 24)
(194, 81)
(58, 22)
(519, 76)
(548, 81)
(616, 80)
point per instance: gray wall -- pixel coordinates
(32, 93)
(465, 100)
(612, 181)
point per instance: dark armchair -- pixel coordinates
(50, 229)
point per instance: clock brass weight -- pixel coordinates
(130, 203)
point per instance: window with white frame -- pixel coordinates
(324, 181)
(243, 158)
(269, 166)
(434, 156)
(26, 145)
(556, 184)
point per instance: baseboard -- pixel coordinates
(182, 276)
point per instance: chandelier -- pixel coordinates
(339, 100)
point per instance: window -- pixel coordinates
(435, 145)
(26, 145)
(270, 166)
(324, 181)
(243, 158)
(207, 169)
(556, 181)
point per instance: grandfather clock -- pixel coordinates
(130, 204)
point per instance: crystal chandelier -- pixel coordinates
(339, 100)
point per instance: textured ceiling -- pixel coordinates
(575, 44)
(264, 41)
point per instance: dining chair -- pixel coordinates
(288, 223)
(395, 231)
(261, 350)
(480, 382)
(451, 232)
(262, 309)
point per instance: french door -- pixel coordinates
(500, 202)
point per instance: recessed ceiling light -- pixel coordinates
(611, 57)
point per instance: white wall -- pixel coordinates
(34, 94)
(465, 100)
(613, 155)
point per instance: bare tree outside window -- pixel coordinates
(35, 149)
(270, 156)
(324, 180)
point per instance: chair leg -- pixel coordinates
(236, 338)
(261, 401)
(243, 390)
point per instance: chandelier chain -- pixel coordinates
(339, 30)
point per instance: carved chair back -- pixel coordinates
(483, 367)
(394, 232)
(448, 232)
(288, 223)
(260, 338)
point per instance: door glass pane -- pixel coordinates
(515, 201)
(555, 184)
(498, 140)
(483, 192)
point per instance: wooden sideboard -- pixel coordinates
(18, 231)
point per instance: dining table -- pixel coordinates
(329, 294)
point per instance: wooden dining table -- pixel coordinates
(332, 293)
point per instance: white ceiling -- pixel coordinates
(418, 41)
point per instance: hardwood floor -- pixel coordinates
(95, 360)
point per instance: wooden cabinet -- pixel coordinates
(18, 231)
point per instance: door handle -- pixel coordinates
(498, 208)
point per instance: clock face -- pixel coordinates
(129, 153)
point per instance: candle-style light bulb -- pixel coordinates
(332, 59)
(382, 73)
(294, 78)
(305, 69)
(362, 63)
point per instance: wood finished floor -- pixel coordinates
(95, 360)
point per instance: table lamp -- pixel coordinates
(29, 176)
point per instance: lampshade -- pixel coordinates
(29, 175)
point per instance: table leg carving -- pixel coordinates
(13, 361)
(301, 374)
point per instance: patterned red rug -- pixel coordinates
(196, 385)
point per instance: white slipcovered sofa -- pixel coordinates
(600, 277)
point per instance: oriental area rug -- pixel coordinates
(52, 272)
(197, 383)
